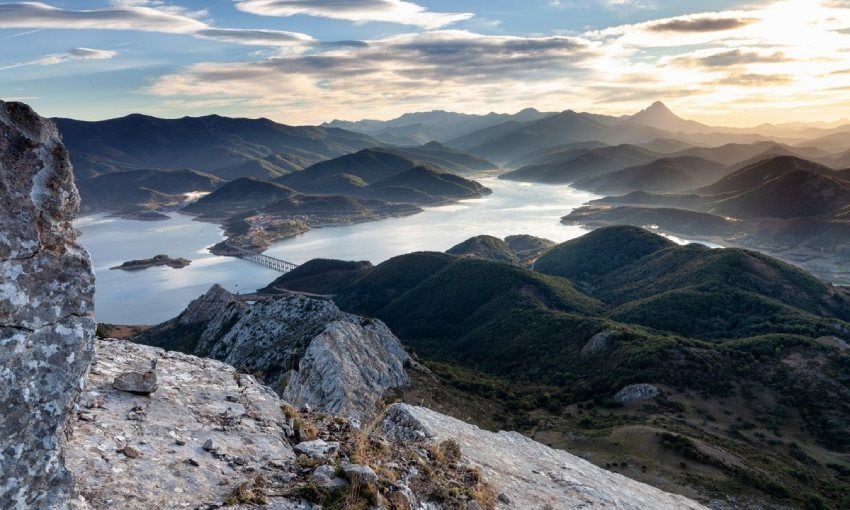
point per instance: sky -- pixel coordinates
(724, 62)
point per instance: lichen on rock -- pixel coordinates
(46, 309)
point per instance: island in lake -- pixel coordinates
(159, 260)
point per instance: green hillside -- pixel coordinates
(748, 354)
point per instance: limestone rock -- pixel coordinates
(530, 474)
(317, 449)
(190, 407)
(308, 350)
(347, 368)
(142, 383)
(46, 303)
(637, 393)
(216, 304)
(326, 479)
(359, 475)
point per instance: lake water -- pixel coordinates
(156, 294)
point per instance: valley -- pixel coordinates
(535, 269)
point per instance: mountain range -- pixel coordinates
(208, 143)
(511, 138)
(439, 125)
(239, 147)
(786, 206)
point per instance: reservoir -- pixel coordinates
(156, 294)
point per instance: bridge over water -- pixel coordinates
(264, 260)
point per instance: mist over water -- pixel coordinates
(156, 294)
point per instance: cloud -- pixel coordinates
(785, 52)
(413, 69)
(756, 80)
(729, 58)
(390, 11)
(699, 24)
(256, 37)
(91, 54)
(143, 15)
(40, 15)
(58, 58)
(439, 55)
(703, 61)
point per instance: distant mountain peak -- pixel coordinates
(658, 115)
(657, 111)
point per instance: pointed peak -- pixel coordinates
(658, 107)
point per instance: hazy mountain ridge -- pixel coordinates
(786, 206)
(673, 174)
(438, 125)
(445, 157)
(140, 190)
(576, 164)
(202, 143)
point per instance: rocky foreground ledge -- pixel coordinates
(208, 436)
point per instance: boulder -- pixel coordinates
(317, 449)
(46, 304)
(359, 475)
(142, 383)
(347, 368)
(325, 479)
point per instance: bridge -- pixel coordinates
(264, 260)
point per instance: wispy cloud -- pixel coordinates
(142, 15)
(390, 11)
(58, 58)
(729, 58)
(256, 37)
(40, 15)
(700, 24)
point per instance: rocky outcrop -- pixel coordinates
(528, 475)
(598, 342)
(347, 368)
(190, 444)
(306, 349)
(210, 437)
(637, 393)
(46, 322)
